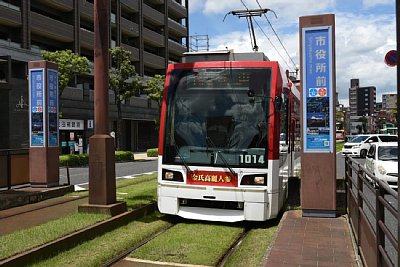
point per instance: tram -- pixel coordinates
(229, 138)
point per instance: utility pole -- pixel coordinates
(249, 14)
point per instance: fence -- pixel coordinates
(373, 215)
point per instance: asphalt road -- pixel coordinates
(80, 176)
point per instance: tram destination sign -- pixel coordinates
(317, 90)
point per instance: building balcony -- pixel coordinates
(63, 5)
(129, 28)
(176, 48)
(51, 28)
(153, 38)
(130, 5)
(176, 10)
(10, 16)
(156, 2)
(176, 28)
(86, 9)
(153, 16)
(86, 39)
(134, 51)
(153, 61)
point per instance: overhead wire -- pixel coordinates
(284, 60)
(284, 48)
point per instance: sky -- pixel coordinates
(365, 32)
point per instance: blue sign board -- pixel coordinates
(52, 106)
(317, 90)
(37, 107)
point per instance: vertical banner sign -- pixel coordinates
(318, 127)
(37, 107)
(52, 112)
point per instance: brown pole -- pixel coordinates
(102, 187)
(101, 46)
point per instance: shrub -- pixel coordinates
(152, 152)
(124, 156)
(74, 160)
(83, 159)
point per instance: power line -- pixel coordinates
(269, 38)
(277, 36)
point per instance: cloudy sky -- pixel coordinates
(365, 31)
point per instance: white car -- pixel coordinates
(382, 161)
(360, 144)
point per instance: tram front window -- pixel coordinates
(211, 119)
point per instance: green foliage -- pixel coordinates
(74, 160)
(123, 81)
(152, 152)
(124, 156)
(69, 65)
(123, 78)
(83, 159)
(155, 88)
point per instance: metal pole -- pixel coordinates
(398, 115)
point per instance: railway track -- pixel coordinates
(221, 261)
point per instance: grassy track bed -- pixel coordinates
(136, 192)
(251, 251)
(191, 242)
(99, 250)
(25, 239)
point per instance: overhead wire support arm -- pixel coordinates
(248, 14)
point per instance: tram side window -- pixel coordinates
(284, 129)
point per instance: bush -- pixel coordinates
(74, 160)
(152, 152)
(83, 159)
(124, 156)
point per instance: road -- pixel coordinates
(80, 176)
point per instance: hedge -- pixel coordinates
(152, 152)
(83, 159)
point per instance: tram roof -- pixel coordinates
(223, 55)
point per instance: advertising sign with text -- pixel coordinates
(318, 124)
(37, 107)
(52, 102)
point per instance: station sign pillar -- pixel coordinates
(43, 124)
(318, 83)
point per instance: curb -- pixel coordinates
(70, 240)
(22, 198)
(272, 243)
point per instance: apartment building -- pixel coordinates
(154, 31)
(389, 102)
(362, 100)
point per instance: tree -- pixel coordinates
(69, 65)
(123, 81)
(363, 126)
(155, 90)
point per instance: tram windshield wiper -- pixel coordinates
(181, 158)
(219, 152)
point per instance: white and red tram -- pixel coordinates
(229, 140)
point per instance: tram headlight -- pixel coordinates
(255, 179)
(259, 180)
(175, 176)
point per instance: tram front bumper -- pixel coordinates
(215, 204)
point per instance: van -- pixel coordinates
(360, 144)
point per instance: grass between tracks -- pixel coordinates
(97, 251)
(191, 243)
(136, 192)
(252, 249)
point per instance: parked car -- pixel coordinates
(360, 144)
(382, 161)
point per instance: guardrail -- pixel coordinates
(373, 215)
(14, 167)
